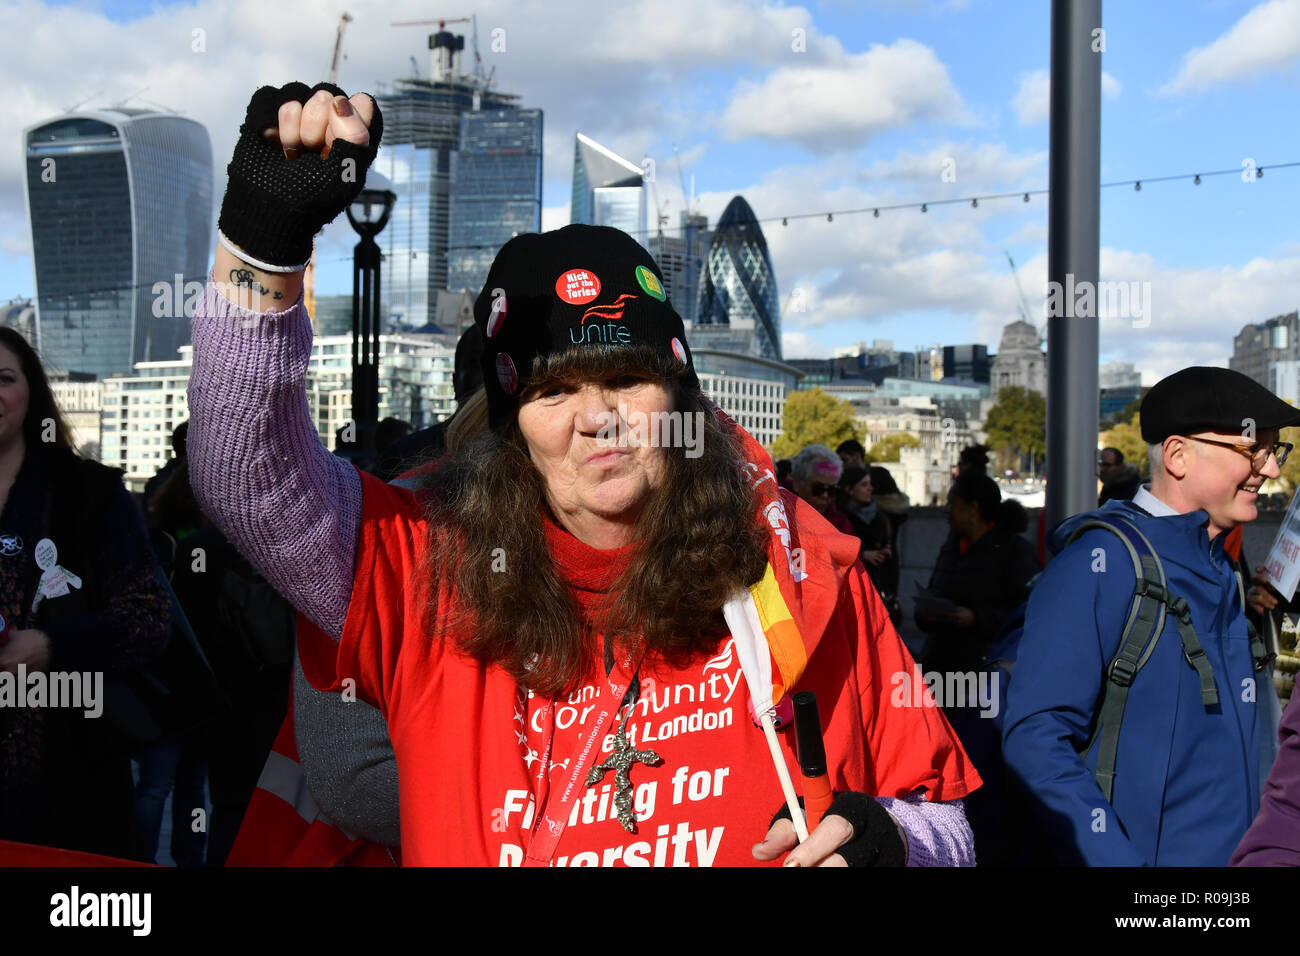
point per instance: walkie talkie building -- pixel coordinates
(118, 201)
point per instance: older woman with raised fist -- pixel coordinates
(556, 623)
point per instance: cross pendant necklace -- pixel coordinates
(621, 761)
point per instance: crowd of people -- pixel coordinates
(525, 636)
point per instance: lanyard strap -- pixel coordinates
(553, 819)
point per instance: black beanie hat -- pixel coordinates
(576, 287)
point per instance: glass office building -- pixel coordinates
(118, 202)
(608, 190)
(738, 290)
(422, 125)
(681, 261)
(496, 190)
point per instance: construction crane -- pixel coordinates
(660, 210)
(1024, 303)
(338, 47)
(688, 201)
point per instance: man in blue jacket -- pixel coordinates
(1186, 786)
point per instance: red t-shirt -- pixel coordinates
(470, 744)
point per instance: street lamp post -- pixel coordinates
(1073, 231)
(368, 214)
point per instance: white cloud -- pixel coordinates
(1266, 38)
(1032, 101)
(553, 217)
(662, 33)
(800, 345)
(965, 167)
(846, 100)
(1188, 316)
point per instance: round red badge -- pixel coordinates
(577, 286)
(506, 374)
(679, 350)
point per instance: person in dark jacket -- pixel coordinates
(872, 527)
(1120, 480)
(176, 461)
(983, 569)
(80, 596)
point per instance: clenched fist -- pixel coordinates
(301, 158)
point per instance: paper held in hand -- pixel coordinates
(1282, 569)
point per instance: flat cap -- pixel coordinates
(1204, 398)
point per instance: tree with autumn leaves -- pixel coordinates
(1018, 422)
(814, 418)
(888, 447)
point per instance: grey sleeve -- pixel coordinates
(348, 760)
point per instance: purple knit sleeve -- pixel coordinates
(257, 464)
(937, 833)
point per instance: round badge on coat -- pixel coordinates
(577, 286)
(497, 317)
(10, 544)
(506, 373)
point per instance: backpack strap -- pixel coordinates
(1261, 652)
(1142, 630)
(1192, 650)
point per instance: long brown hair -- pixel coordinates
(41, 406)
(698, 539)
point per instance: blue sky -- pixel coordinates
(868, 106)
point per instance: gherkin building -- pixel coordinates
(739, 283)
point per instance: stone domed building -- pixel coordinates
(1020, 360)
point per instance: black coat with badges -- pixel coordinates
(64, 780)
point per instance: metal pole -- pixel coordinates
(357, 321)
(1072, 257)
(365, 345)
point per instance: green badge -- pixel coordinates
(650, 283)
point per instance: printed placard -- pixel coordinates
(1282, 568)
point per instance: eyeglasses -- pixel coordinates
(1258, 454)
(817, 489)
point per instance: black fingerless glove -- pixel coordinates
(876, 838)
(274, 206)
